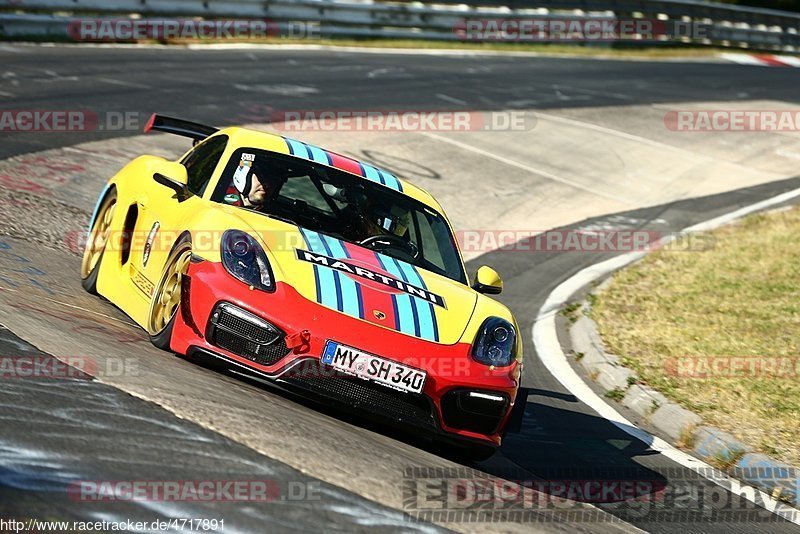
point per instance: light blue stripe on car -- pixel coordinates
(405, 306)
(391, 180)
(371, 173)
(351, 292)
(297, 148)
(327, 295)
(381, 177)
(318, 155)
(423, 310)
(425, 313)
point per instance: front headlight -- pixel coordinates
(496, 343)
(245, 260)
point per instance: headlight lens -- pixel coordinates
(245, 260)
(496, 343)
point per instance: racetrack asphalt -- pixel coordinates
(225, 87)
(560, 438)
(66, 430)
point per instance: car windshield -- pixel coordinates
(342, 205)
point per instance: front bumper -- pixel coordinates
(281, 335)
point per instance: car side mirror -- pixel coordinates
(173, 175)
(487, 281)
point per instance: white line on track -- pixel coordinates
(612, 131)
(618, 96)
(636, 138)
(548, 348)
(527, 168)
(283, 89)
(452, 100)
(379, 72)
(74, 307)
(112, 81)
(57, 79)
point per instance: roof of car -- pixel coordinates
(245, 137)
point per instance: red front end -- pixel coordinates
(223, 317)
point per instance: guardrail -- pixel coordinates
(721, 24)
(696, 10)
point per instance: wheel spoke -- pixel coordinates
(168, 297)
(165, 296)
(174, 301)
(109, 214)
(98, 237)
(184, 263)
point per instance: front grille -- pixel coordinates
(246, 335)
(380, 400)
(260, 354)
(234, 320)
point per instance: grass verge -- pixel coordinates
(718, 331)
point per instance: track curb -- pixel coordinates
(683, 428)
(550, 350)
(711, 58)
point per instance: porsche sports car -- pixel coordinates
(314, 271)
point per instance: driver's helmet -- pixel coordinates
(393, 221)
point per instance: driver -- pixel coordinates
(377, 222)
(257, 195)
(250, 192)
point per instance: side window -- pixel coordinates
(301, 187)
(201, 162)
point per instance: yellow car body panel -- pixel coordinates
(128, 274)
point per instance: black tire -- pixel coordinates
(89, 283)
(163, 339)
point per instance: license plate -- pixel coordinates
(367, 366)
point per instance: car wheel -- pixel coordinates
(96, 242)
(167, 296)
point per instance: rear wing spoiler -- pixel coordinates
(192, 130)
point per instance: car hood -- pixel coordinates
(368, 286)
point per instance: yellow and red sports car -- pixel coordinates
(313, 270)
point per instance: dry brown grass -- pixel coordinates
(740, 298)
